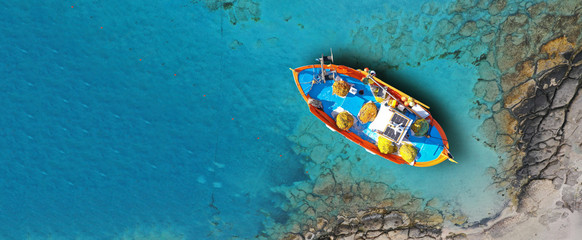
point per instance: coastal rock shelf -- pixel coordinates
(530, 99)
(548, 178)
(547, 183)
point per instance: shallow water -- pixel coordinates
(174, 120)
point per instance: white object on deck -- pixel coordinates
(382, 118)
(353, 90)
(336, 111)
(400, 107)
(420, 111)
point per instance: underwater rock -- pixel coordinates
(468, 29)
(319, 154)
(324, 184)
(434, 202)
(490, 88)
(461, 6)
(488, 129)
(235, 44)
(486, 72)
(445, 27)
(488, 37)
(430, 8)
(513, 23)
(497, 6)
(237, 11)
(510, 52)
(479, 111)
(457, 219)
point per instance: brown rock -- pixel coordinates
(554, 49)
(519, 93)
(504, 141)
(524, 71)
(293, 236)
(321, 223)
(505, 121)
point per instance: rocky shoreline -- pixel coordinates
(529, 96)
(547, 182)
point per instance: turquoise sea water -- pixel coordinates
(171, 119)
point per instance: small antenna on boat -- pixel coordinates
(322, 60)
(331, 55)
(326, 58)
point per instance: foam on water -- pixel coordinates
(176, 120)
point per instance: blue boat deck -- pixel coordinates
(429, 147)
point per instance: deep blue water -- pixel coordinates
(163, 119)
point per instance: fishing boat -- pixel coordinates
(371, 113)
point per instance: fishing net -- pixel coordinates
(420, 127)
(368, 112)
(386, 146)
(341, 88)
(344, 120)
(408, 152)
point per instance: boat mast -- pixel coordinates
(322, 61)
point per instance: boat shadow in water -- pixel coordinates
(439, 110)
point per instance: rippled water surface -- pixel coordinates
(180, 119)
